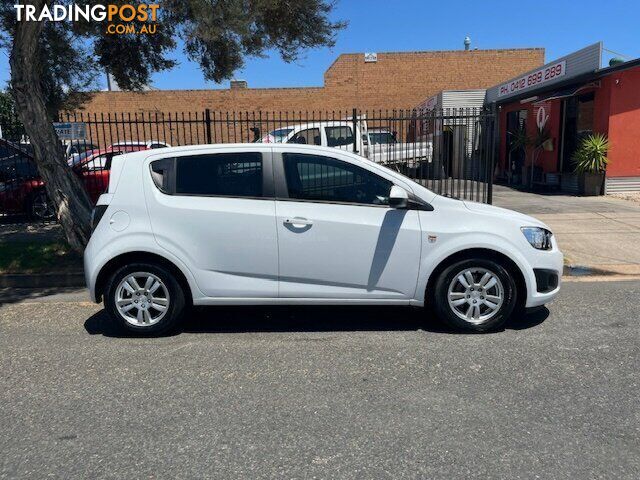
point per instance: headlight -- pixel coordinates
(539, 238)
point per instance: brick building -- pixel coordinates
(396, 80)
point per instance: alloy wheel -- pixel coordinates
(475, 295)
(142, 299)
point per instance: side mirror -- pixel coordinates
(398, 197)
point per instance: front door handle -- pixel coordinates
(298, 222)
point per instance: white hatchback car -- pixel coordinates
(297, 224)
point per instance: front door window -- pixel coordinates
(314, 177)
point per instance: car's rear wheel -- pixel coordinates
(144, 299)
(476, 295)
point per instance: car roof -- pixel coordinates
(125, 143)
(141, 155)
(252, 147)
(317, 124)
(249, 146)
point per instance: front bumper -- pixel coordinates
(540, 287)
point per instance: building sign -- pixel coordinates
(584, 61)
(370, 57)
(534, 79)
(71, 130)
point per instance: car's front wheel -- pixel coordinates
(475, 295)
(145, 299)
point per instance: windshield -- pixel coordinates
(276, 136)
(281, 134)
(382, 137)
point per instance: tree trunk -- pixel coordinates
(70, 200)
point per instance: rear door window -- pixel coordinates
(220, 174)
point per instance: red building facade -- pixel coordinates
(583, 99)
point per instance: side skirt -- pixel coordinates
(302, 301)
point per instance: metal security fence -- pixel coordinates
(449, 151)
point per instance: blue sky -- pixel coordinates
(377, 26)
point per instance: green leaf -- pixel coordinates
(591, 154)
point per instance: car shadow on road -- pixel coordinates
(16, 295)
(255, 319)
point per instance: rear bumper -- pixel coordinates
(89, 276)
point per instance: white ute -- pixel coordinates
(276, 223)
(379, 144)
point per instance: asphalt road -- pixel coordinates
(322, 393)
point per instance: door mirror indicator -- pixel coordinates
(398, 197)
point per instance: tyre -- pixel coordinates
(40, 206)
(476, 295)
(144, 299)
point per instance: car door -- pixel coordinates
(337, 236)
(214, 209)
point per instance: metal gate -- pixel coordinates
(450, 151)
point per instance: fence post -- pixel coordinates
(495, 144)
(207, 124)
(355, 136)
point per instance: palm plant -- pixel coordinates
(519, 139)
(591, 155)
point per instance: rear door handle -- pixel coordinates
(298, 221)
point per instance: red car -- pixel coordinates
(94, 165)
(94, 169)
(22, 190)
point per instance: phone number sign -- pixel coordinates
(534, 79)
